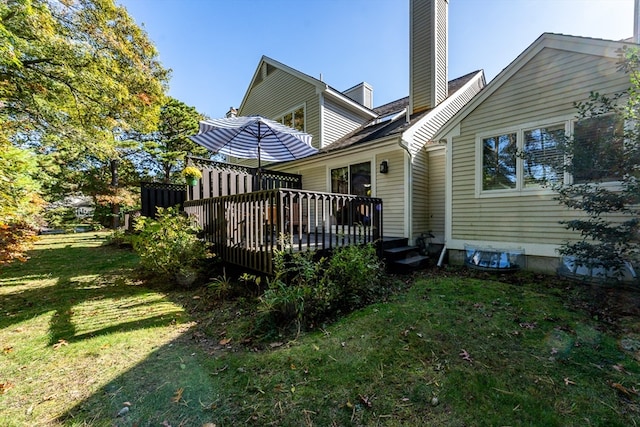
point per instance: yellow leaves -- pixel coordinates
(4, 387)
(60, 343)
(177, 396)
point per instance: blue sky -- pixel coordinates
(214, 46)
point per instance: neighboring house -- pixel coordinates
(387, 151)
(494, 197)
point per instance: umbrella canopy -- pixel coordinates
(254, 137)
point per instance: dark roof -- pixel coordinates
(376, 129)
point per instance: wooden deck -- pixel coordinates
(246, 229)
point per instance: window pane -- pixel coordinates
(543, 160)
(361, 179)
(340, 180)
(598, 149)
(298, 119)
(288, 120)
(499, 162)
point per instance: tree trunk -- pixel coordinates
(115, 207)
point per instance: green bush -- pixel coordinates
(169, 245)
(60, 217)
(308, 291)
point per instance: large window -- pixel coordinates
(293, 118)
(530, 157)
(598, 149)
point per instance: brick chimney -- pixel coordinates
(428, 78)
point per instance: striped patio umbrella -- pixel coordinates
(254, 137)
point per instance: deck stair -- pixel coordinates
(400, 256)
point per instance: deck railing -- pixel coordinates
(246, 229)
(223, 179)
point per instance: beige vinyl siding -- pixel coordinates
(278, 93)
(420, 59)
(314, 179)
(390, 187)
(543, 89)
(441, 65)
(436, 194)
(338, 122)
(420, 192)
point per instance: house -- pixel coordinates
(527, 108)
(386, 151)
(423, 157)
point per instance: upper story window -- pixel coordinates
(293, 118)
(528, 157)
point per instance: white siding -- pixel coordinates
(338, 122)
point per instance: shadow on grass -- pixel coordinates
(171, 385)
(77, 281)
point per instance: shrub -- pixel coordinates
(169, 245)
(307, 291)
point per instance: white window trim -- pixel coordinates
(519, 130)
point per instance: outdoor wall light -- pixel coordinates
(384, 166)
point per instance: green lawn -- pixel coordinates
(81, 340)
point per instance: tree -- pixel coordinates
(170, 144)
(75, 77)
(604, 162)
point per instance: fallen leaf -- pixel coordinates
(366, 400)
(225, 341)
(196, 297)
(623, 389)
(7, 350)
(5, 387)
(619, 368)
(465, 356)
(567, 381)
(275, 344)
(126, 403)
(165, 423)
(59, 344)
(178, 395)
(209, 425)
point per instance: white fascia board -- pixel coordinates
(348, 102)
(409, 134)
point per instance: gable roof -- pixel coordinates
(576, 44)
(397, 123)
(321, 87)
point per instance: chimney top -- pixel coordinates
(232, 113)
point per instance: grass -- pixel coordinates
(80, 337)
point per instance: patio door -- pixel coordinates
(353, 179)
